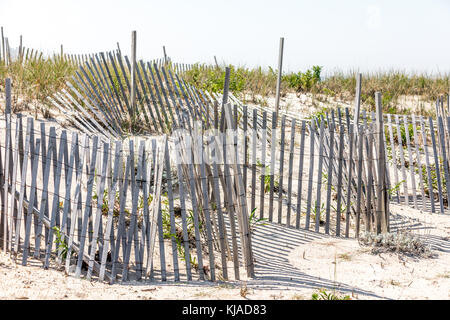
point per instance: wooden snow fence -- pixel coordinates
(319, 174)
(98, 98)
(417, 151)
(118, 210)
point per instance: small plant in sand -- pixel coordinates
(322, 294)
(244, 290)
(60, 242)
(178, 235)
(267, 180)
(254, 221)
(318, 211)
(400, 242)
(434, 180)
(392, 191)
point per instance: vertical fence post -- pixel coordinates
(165, 55)
(19, 56)
(357, 99)
(118, 49)
(8, 146)
(382, 208)
(133, 73)
(226, 86)
(7, 161)
(3, 47)
(280, 65)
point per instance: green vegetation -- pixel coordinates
(393, 191)
(434, 180)
(34, 79)
(60, 242)
(178, 235)
(256, 85)
(399, 242)
(319, 212)
(268, 178)
(324, 295)
(254, 221)
(303, 81)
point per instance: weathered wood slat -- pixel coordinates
(8, 166)
(444, 157)
(319, 177)
(273, 145)
(241, 197)
(134, 176)
(171, 213)
(99, 211)
(394, 156)
(87, 210)
(360, 142)
(13, 203)
(290, 173)
(64, 229)
(281, 160)
(55, 204)
(339, 179)
(310, 175)
(437, 166)
(263, 166)
(206, 211)
(32, 200)
(254, 141)
(187, 255)
(79, 163)
(427, 164)
(300, 175)
(111, 204)
(23, 183)
(402, 160)
(44, 197)
(411, 161)
(419, 161)
(329, 179)
(349, 181)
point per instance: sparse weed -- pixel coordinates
(255, 221)
(60, 242)
(400, 242)
(322, 294)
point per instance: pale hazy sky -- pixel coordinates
(347, 34)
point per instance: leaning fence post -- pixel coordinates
(280, 65)
(382, 208)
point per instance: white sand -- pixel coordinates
(290, 264)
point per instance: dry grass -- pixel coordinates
(256, 85)
(34, 78)
(400, 242)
